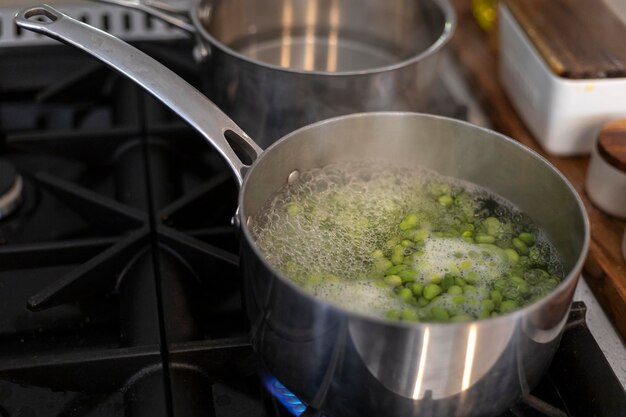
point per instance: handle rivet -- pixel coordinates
(293, 177)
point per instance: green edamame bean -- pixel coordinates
(377, 254)
(397, 257)
(461, 318)
(438, 189)
(458, 299)
(469, 289)
(391, 243)
(393, 280)
(535, 256)
(520, 284)
(420, 235)
(422, 302)
(527, 238)
(517, 280)
(460, 282)
(465, 265)
(409, 222)
(431, 291)
(394, 270)
(455, 290)
(496, 296)
(512, 255)
(417, 288)
(487, 305)
(435, 279)
(447, 282)
(439, 313)
(492, 226)
(520, 246)
(406, 294)
(392, 314)
(482, 238)
(381, 265)
(471, 277)
(490, 246)
(508, 305)
(446, 200)
(408, 275)
(553, 282)
(409, 315)
(407, 243)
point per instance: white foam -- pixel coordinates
(447, 255)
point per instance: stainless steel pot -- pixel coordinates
(349, 364)
(277, 65)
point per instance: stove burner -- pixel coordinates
(284, 396)
(10, 189)
(529, 406)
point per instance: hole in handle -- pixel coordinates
(41, 15)
(242, 149)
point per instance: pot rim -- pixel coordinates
(571, 276)
(449, 28)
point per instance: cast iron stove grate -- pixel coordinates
(119, 290)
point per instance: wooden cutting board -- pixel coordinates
(605, 269)
(578, 39)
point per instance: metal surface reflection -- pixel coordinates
(287, 20)
(422, 364)
(309, 37)
(333, 38)
(469, 357)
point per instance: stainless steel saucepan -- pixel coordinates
(349, 364)
(277, 65)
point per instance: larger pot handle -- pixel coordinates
(217, 128)
(163, 11)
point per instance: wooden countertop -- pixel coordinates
(605, 268)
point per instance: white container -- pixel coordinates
(564, 115)
(606, 185)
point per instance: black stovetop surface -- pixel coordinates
(119, 288)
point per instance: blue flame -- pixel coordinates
(284, 396)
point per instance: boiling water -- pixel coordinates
(346, 232)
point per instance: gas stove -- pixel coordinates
(119, 287)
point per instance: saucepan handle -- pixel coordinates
(173, 13)
(217, 128)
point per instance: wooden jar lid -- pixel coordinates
(612, 144)
(578, 39)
